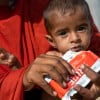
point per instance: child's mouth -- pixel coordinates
(76, 49)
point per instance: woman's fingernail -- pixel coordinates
(1, 54)
(68, 79)
(82, 66)
(64, 84)
(76, 87)
(54, 93)
(9, 60)
(73, 71)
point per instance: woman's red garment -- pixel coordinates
(22, 33)
(95, 44)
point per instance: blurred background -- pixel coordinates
(95, 11)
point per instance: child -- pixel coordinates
(68, 23)
(69, 26)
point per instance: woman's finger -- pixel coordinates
(84, 92)
(92, 75)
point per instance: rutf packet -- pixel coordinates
(76, 59)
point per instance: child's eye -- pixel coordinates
(82, 28)
(62, 33)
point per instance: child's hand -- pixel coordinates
(9, 59)
(93, 91)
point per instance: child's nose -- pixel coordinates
(75, 37)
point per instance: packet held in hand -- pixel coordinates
(76, 59)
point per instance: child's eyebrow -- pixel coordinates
(83, 24)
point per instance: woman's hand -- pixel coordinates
(9, 59)
(47, 64)
(93, 91)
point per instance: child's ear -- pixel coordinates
(50, 40)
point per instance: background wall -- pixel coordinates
(95, 11)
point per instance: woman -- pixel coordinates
(21, 33)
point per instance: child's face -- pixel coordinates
(69, 31)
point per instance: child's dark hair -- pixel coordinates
(64, 6)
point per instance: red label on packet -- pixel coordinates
(76, 59)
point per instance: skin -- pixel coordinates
(71, 31)
(45, 64)
(9, 59)
(92, 92)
